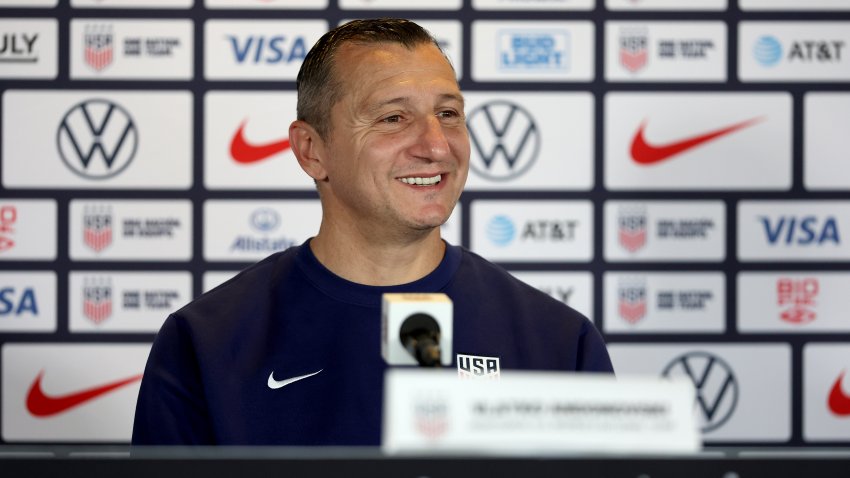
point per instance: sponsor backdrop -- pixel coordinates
(678, 170)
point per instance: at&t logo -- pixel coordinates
(501, 230)
(97, 139)
(768, 50)
(505, 140)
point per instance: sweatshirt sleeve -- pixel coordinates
(593, 354)
(171, 408)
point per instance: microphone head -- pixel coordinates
(420, 335)
(416, 329)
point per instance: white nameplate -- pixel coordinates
(537, 413)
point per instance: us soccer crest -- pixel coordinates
(632, 301)
(97, 299)
(97, 227)
(633, 48)
(632, 228)
(98, 46)
(431, 417)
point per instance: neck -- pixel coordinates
(378, 261)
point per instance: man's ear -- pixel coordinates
(309, 149)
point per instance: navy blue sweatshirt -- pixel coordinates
(207, 378)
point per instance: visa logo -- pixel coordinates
(268, 50)
(800, 230)
(13, 304)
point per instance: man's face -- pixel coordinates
(398, 148)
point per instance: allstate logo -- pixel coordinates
(768, 50)
(265, 219)
(501, 230)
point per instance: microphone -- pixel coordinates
(420, 335)
(416, 329)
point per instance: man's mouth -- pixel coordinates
(420, 181)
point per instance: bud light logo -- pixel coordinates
(534, 50)
(768, 50)
(501, 230)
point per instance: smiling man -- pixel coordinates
(288, 352)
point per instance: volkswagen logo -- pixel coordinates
(97, 139)
(715, 384)
(505, 140)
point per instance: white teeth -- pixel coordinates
(422, 181)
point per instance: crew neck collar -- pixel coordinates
(370, 296)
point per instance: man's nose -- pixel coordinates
(432, 142)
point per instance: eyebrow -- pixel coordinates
(403, 100)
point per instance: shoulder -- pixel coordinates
(246, 294)
(255, 280)
(545, 332)
(491, 280)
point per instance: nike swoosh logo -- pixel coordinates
(41, 405)
(244, 152)
(839, 402)
(275, 384)
(646, 153)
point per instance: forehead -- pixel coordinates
(373, 67)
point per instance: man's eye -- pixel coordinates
(447, 114)
(392, 119)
